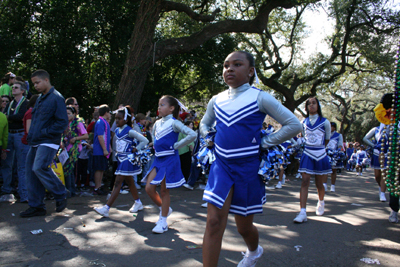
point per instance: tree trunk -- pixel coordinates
(140, 55)
(142, 52)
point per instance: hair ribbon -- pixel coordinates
(181, 105)
(257, 81)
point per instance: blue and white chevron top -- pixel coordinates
(379, 137)
(333, 142)
(239, 122)
(314, 138)
(361, 154)
(124, 143)
(165, 138)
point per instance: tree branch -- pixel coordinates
(179, 7)
(257, 25)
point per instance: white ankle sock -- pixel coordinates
(138, 201)
(253, 253)
(303, 210)
(108, 207)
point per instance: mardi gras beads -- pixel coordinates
(392, 175)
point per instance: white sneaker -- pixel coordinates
(382, 197)
(123, 191)
(188, 186)
(204, 205)
(283, 179)
(320, 209)
(160, 228)
(358, 174)
(326, 187)
(393, 218)
(278, 185)
(7, 198)
(103, 211)
(201, 187)
(298, 176)
(136, 207)
(92, 184)
(332, 188)
(250, 261)
(301, 217)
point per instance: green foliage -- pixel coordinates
(82, 44)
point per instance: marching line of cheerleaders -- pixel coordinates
(234, 185)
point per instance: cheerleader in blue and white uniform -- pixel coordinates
(127, 140)
(234, 185)
(314, 161)
(379, 135)
(336, 144)
(166, 168)
(360, 156)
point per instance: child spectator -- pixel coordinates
(49, 121)
(101, 147)
(185, 152)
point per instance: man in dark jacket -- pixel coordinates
(49, 120)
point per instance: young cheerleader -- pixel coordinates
(380, 145)
(314, 161)
(166, 169)
(126, 143)
(71, 140)
(234, 184)
(335, 143)
(361, 155)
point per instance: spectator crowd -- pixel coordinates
(45, 133)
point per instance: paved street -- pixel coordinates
(355, 226)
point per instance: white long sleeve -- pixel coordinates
(367, 138)
(179, 127)
(138, 136)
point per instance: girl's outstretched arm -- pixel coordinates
(290, 124)
(368, 136)
(180, 128)
(138, 136)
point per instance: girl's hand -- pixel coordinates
(134, 150)
(150, 144)
(105, 152)
(72, 141)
